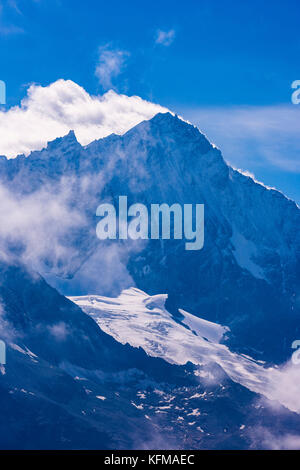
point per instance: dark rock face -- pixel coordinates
(74, 387)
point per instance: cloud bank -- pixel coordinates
(50, 112)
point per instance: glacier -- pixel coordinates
(143, 321)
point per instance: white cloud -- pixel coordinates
(111, 63)
(59, 331)
(42, 229)
(51, 111)
(165, 38)
(37, 224)
(285, 383)
(262, 438)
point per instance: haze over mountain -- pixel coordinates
(247, 274)
(239, 294)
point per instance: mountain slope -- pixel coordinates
(66, 384)
(247, 274)
(143, 321)
(75, 387)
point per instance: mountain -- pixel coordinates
(69, 384)
(66, 384)
(245, 277)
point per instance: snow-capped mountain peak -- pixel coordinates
(249, 265)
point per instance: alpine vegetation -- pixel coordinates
(186, 222)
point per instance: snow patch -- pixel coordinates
(206, 329)
(244, 253)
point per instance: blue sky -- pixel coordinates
(227, 66)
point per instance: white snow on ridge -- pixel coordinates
(207, 329)
(142, 321)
